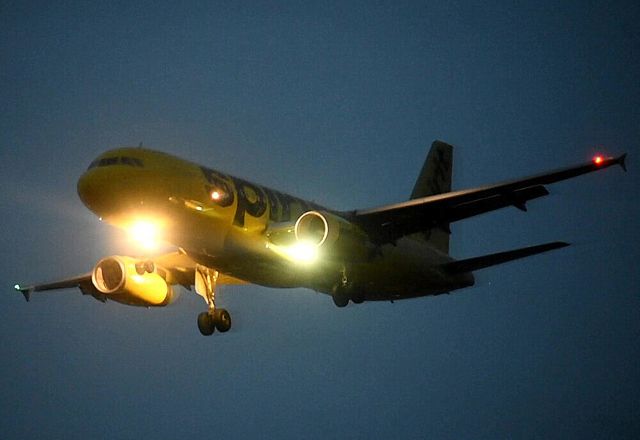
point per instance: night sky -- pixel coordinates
(335, 102)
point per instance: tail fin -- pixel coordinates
(435, 178)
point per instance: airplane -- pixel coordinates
(227, 230)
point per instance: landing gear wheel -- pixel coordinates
(206, 324)
(149, 266)
(145, 266)
(222, 320)
(340, 297)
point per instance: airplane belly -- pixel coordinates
(409, 269)
(249, 260)
(251, 268)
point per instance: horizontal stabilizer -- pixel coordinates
(471, 264)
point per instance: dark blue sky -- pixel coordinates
(336, 102)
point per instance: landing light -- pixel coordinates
(598, 159)
(146, 233)
(305, 253)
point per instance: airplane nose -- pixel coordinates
(107, 189)
(84, 188)
(119, 181)
(89, 191)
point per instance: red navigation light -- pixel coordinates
(598, 160)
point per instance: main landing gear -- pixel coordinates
(213, 318)
(341, 296)
(344, 291)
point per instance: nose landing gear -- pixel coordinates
(205, 283)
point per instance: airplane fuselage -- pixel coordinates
(233, 225)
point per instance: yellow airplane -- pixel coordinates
(231, 231)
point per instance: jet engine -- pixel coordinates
(329, 231)
(130, 281)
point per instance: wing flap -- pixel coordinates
(517, 198)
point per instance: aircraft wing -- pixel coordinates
(83, 282)
(182, 270)
(390, 222)
(176, 268)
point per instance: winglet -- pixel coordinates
(26, 291)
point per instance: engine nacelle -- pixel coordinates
(331, 232)
(117, 278)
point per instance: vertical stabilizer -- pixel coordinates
(435, 178)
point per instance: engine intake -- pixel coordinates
(329, 231)
(117, 278)
(313, 227)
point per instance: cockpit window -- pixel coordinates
(131, 161)
(117, 160)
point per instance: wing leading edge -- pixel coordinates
(390, 222)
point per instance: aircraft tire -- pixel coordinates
(206, 324)
(149, 266)
(340, 298)
(222, 320)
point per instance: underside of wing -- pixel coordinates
(390, 222)
(175, 268)
(83, 282)
(182, 268)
